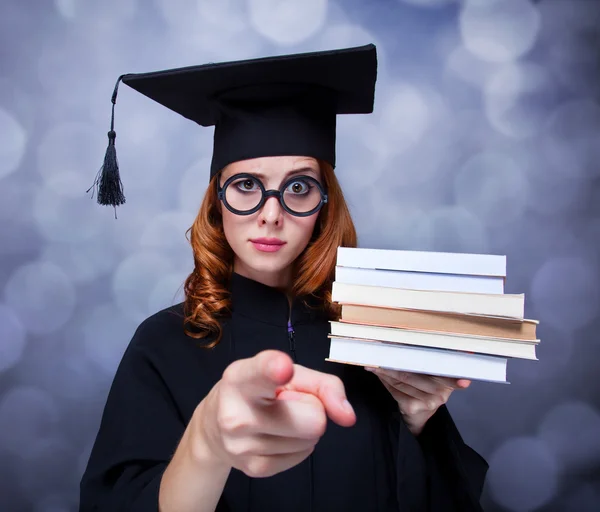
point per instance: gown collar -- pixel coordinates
(266, 304)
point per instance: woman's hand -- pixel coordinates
(418, 396)
(267, 414)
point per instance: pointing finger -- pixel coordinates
(258, 378)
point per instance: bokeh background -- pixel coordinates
(485, 138)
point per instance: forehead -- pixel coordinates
(272, 165)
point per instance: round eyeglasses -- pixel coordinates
(244, 194)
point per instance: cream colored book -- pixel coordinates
(475, 344)
(501, 305)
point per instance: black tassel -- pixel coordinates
(108, 179)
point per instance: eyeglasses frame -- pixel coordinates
(266, 194)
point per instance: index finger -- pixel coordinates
(258, 378)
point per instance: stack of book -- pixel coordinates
(436, 313)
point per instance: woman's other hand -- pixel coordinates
(418, 396)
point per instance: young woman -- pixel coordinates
(225, 401)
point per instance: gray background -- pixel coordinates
(485, 138)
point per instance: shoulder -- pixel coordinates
(165, 332)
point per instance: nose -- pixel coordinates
(271, 212)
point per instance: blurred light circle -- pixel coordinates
(167, 232)
(82, 262)
(67, 219)
(74, 57)
(554, 356)
(405, 118)
(555, 194)
(168, 291)
(27, 415)
(499, 30)
(89, 11)
(571, 431)
(225, 13)
(12, 338)
(13, 142)
(19, 237)
(142, 146)
(194, 26)
(16, 197)
(125, 233)
(193, 186)
(571, 139)
(68, 183)
(468, 67)
(523, 474)
(518, 99)
(45, 465)
(345, 35)
(493, 188)
(42, 296)
(287, 22)
(564, 292)
(448, 229)
(134, 281)
(59, 364)
(106, 334)
(202, 14)
(396, 219)
(20, 105)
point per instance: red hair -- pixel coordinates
(207, 298)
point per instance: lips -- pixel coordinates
(267, 244)
(267, 241)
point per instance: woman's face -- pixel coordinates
(267, 242)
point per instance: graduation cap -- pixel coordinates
(271, 106)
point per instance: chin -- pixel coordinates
(267, 263)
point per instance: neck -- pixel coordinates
(281, 279)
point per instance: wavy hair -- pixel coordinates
(207, 296)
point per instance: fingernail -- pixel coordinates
(347, 407)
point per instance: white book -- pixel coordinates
(448, 341)
(501, 305)
(419, 280)
(430, 361)
(423, 261)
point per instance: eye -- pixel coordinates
(299, 187)
(246, 185)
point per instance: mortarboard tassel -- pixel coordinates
(108, 179)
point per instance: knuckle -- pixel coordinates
(232, 423)
(335, 382)
(319, 427)
(257, 467)
(236, 448)
(413, 407)
(231, 371)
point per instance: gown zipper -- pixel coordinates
(291, 340)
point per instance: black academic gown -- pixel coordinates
(375, 465)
